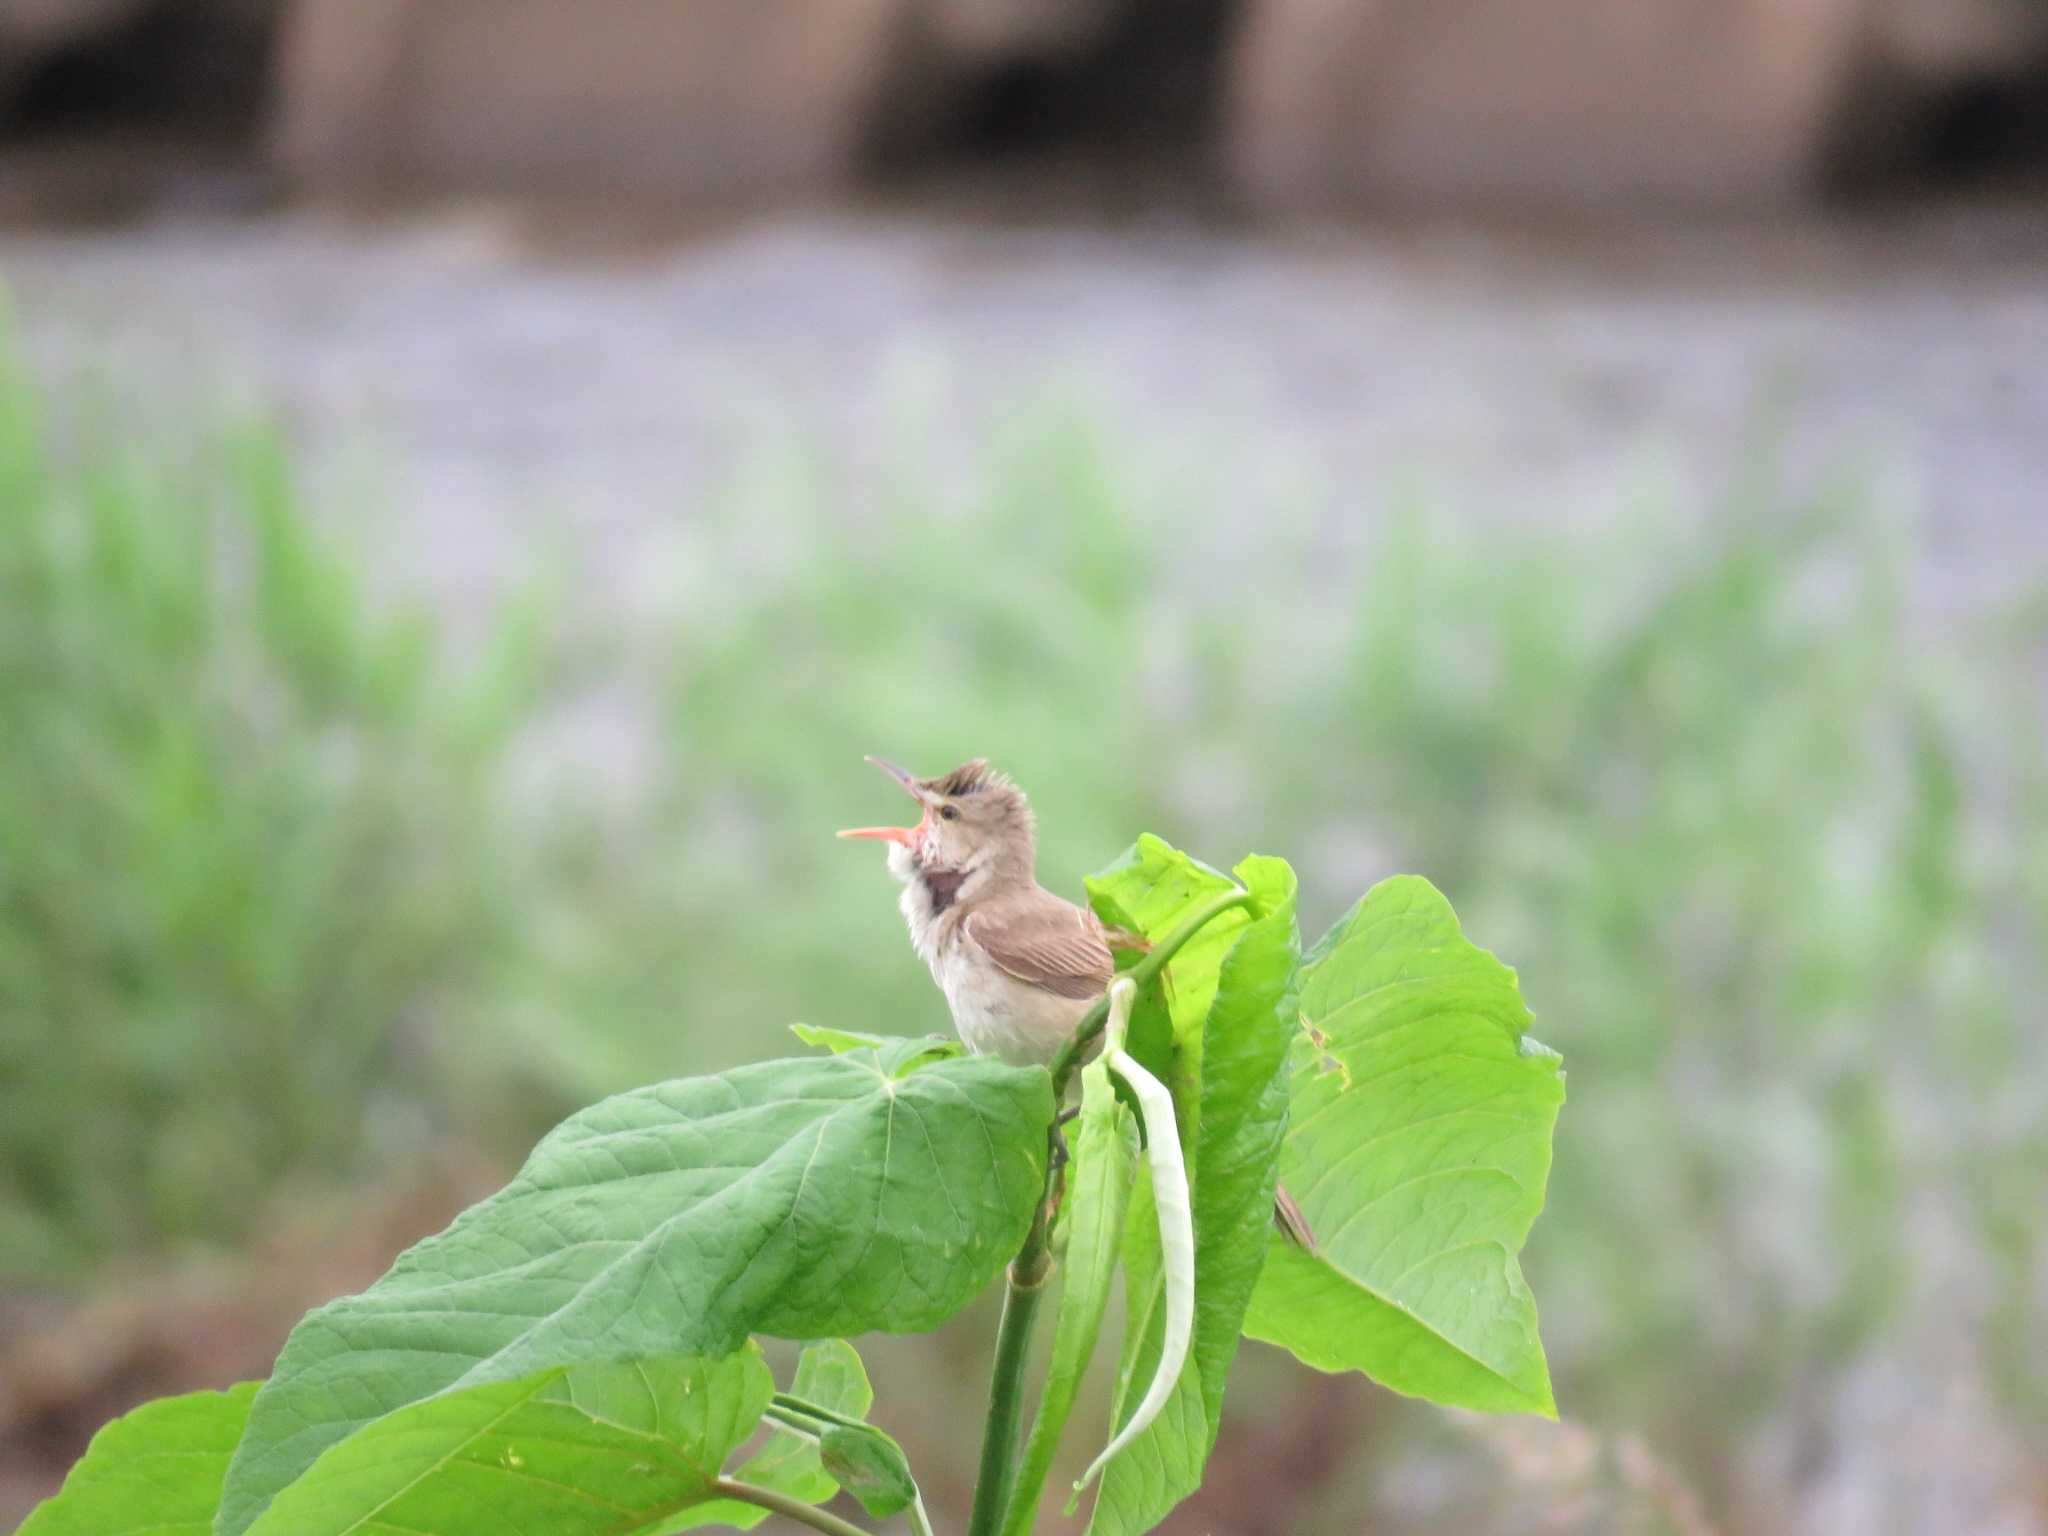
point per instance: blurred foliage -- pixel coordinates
(1762, 855)
(1770, 851)
(244, 845)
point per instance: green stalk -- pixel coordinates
(1033, 1264)
(1103, 1166)
(787, 1507)
(1026, 1288)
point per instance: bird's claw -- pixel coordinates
(1060, 1155)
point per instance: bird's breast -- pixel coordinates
(997, 1014)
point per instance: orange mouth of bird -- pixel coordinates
(909, 837)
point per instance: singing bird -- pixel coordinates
(1019, 965)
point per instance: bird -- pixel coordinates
(1019, 965)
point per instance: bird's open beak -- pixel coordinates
(902, 776)
(904, 835)
(907, 836)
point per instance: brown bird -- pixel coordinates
(1019, 965)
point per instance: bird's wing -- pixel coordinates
(1046, 942)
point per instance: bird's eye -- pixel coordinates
(950, 812)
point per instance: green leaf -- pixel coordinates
(157, 1469)
(840, 1041)
(819, 1446)
(1230, 1007)
(1418, 1152)
(829, 1195)
(871, 1466)
(1105, 1162)
(1151, 890)
(830, 1377)
(595, 1450)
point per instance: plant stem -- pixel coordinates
(787, 1507)
(999, 1435)
(784, 1408)
(1033, 1264)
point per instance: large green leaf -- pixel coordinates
(1105, 1162)
(157, 1470)
(825, 1196)
(1418, 1151)
(594, 1450)
(1232, 1005)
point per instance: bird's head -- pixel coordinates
(977, 825)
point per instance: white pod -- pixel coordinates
(1176, 1221)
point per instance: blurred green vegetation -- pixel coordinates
(246, 856)
(1769, 849)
